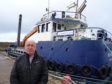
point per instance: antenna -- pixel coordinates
(76, 15)
(48, 7)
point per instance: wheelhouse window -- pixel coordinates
(38, 28)
(47, 27)
(54, 27)
(59, 26)
(43, 28)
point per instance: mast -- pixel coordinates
(76, 15)
(48, 7)
(77, 6)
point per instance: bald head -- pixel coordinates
(30, 47)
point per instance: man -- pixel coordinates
(29, 68)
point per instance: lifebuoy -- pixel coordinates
(103, 71)
(86, 70)
(59, 67)
(71, 69)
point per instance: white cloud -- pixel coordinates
(98, 13)
(10, 37)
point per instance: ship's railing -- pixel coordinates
(91, 33)
(64, 15)
(106, 35)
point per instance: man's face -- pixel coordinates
(30, 47)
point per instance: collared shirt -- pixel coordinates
(31, 58)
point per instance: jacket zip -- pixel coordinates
(29, 72)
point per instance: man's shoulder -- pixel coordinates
(42, 59)
(20, 57)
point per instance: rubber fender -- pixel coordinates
(71, 69)
(48, 62)
(51, 65)
(86, 70)
(103, 71)
(59, 67)
(109, 70)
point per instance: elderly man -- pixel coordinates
(29, 68)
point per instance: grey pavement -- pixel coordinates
(5, 69)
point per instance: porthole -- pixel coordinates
(41, 47)
(67, 49)
(52, 48)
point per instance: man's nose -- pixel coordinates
(30, 46)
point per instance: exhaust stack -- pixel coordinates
(19, 30)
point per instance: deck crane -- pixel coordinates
(35, 29)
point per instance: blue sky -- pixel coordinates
(98, 13)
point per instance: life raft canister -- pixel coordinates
(71, 69)
(86, 70)
(103, 71)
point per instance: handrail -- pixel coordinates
(85, 34)
(107, 47)
(102, 29)
(80, 16)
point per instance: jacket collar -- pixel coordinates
(36, 56)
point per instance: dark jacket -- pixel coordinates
(25, 73)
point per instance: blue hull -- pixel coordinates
(80, 52)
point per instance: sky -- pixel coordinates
(98, 13)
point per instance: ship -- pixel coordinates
(70, 46)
